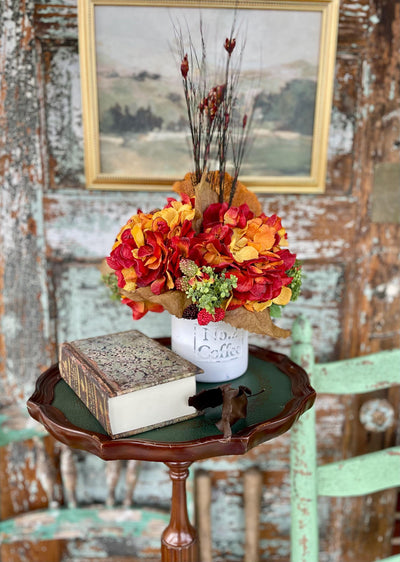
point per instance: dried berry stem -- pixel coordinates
(211, 111)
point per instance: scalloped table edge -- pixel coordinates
(40, 408)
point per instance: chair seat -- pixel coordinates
(85, 523)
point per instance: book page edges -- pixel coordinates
(152, 407)
(155, 426)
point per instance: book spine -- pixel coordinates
(81, 379)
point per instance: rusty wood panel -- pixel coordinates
(319, 227)
(343, 124)
(378, 103)
(384, 293)
(22, 483)
(353, 25)
(25, 341)
(56, 21)
(63, 112)
(16, 425)
(371, 536)
(92, 486)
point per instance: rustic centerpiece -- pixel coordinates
(212, 258)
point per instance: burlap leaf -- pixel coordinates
(174, 302)
(255, 322)
(242, 194)
(104, 268)
(204, 197)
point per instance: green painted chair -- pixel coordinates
(98, 523)
(355, 476)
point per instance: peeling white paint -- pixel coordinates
(83, 225)
(366, 78)
(392, 91)
(392, 115)
(85, 309)
(389, 291)
(341, 134)
(64, 115)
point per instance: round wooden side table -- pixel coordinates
(287, 394)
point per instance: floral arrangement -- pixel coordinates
(212, 255)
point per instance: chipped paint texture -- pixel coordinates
(16, 425)
(85, 309)
(83, 225)
(56, 20)
(323, 288)
(341, 134)
(85, 523)
(64, 118)
(24, 324)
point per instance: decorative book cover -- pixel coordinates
(128, 381)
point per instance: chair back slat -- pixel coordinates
(360, 475)
(358, 375)
(395, 558)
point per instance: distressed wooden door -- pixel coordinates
(53, 233)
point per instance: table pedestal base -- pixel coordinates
(179, 540)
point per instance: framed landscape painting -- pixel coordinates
(134, 113)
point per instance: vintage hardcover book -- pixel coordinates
(129, 382)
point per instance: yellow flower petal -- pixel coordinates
(170, 281)
(138, 236)
(130, 277)
(246, 253)
(169, 215)
(260, 306)
(130, 287)
(284, 296)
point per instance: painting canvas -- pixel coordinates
(141, 130)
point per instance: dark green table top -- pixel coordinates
(286, 395)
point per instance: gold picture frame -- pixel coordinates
(112, 31)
